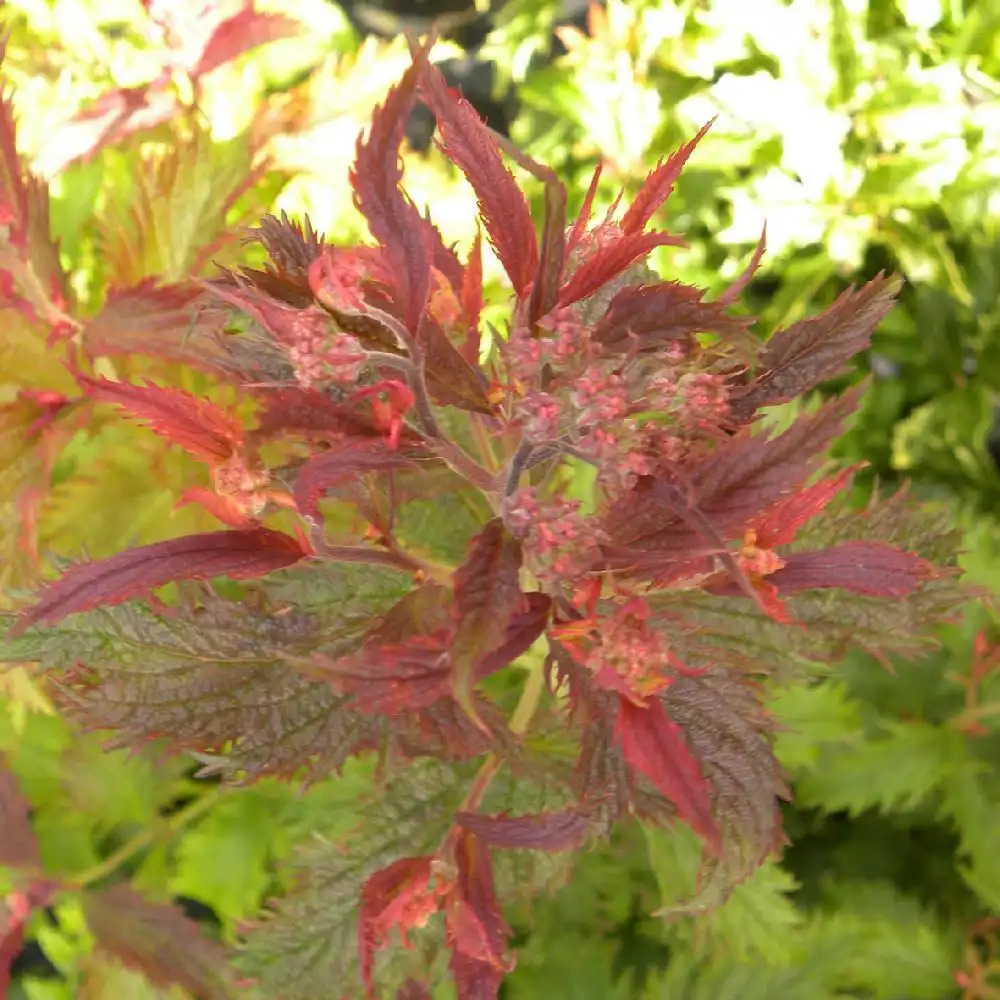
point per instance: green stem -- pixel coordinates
(153, 833)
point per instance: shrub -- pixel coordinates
(536, 576)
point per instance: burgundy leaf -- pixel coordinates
(799, 357)
(580, 223)
(780, 523)
(545, 292)
(477, 932)
(412, 990)
(654, 315)
(18, 847)
(174, 322)
(240, 33)
(654, 745)
(406, 237)
(862, 567)
(466, 141)
(157, 940)
(554, 831)
(238, 554)
(388, 680)
(451, 378)
(487, 596)
(659, 185)
(525, 626)
(331, 468)
(609, 261)
(726, 490)
(197, 425)
(15, 910)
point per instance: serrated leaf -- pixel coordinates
(654, 745)
(502, 206)
(653, 316)
(201, 428)
(892, 772)
(659, 184)
(798, 358)
(555, 831)
(807, 717)
(158, 940)
(240, 554)
(728, 733)
(344, 463)
(734, 484)
(310, 942)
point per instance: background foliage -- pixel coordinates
(866, 134)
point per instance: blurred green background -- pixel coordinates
(865, 133)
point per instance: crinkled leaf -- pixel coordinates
(555, 831)
(310, 942)
(650, 317)
(158, 940)
(199, 426)
(862, 567)
(799, 357)
(655, 745)
(728, 732)
(240, 33)
(503, 208)
(779, 523)
(658, 185)
(240, 554)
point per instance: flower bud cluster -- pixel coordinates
(321, 354)
(560, 542)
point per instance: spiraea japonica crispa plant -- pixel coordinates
(539, 578)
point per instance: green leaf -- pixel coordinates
(894, 771)
(809, 716)
(223, 861)
(758, 919)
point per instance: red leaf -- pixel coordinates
(412, 990)
(158, 941)
(658, 314)
(15, 910)
(452, 378)
(200, 427)
(229, 510)
(732, 293)
(659, 184)
(862, 567)
(506, 216)
(476, 929)
(408, 240)
(397, 896)
(487, 596)
(802, 355)
(242, 32)
(780, 523)
(580, 223)
(174, 322)
(329, 469)
(654, 745)
(555, 831)
(472, 299)
(238, 554)
(525, 626)
(727, 489)
(609, 261)
(388, 680)
(18, 847)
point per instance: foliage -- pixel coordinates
(380, 391)
(896, 900)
